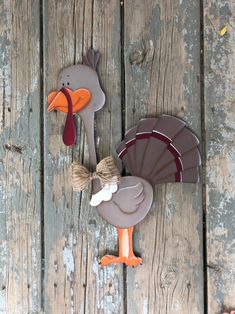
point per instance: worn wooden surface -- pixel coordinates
(20, 230)
(162, 65)
(219, 70)
(75, 236)
(157, 56)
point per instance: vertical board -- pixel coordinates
(162, 70)
(219, 60)
(75, 236)
(20, 236)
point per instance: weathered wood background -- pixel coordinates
(157, 56)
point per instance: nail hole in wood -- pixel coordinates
(92, 222)
(14, 148)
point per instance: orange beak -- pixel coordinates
(58, 101)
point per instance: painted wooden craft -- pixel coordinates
(157, 150)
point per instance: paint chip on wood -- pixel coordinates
(68, 258)
(223, 30)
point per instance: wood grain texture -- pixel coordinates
(75, 236)
(20, 235)
(219, 60)
(162, 70)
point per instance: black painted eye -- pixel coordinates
(63, 84)
(68, 83)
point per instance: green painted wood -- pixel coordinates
(75, 236)
(20, 233)
(162, 70)
(219, 60)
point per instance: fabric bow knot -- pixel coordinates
(106, 172)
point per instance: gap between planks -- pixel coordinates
(41, 51)
(203, 156)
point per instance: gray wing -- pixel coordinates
(128, 199)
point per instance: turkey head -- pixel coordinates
(78, 91)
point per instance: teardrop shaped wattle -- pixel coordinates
(69, 135)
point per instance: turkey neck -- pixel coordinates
(88, 118)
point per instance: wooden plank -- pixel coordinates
(20, 236)
(75, 236)
(219, 60)
(162, 69)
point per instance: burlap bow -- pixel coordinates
(106, 171)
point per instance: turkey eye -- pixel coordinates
(63, 84)
(68, 83)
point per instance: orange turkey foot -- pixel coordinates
(129, 261)
(111, 259)
(133, 261)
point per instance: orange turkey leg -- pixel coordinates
(126, 254)
(132, 259)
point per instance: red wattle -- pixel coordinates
(69, 135)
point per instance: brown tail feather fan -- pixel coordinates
(161, 150)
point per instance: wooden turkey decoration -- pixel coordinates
(157, 150)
